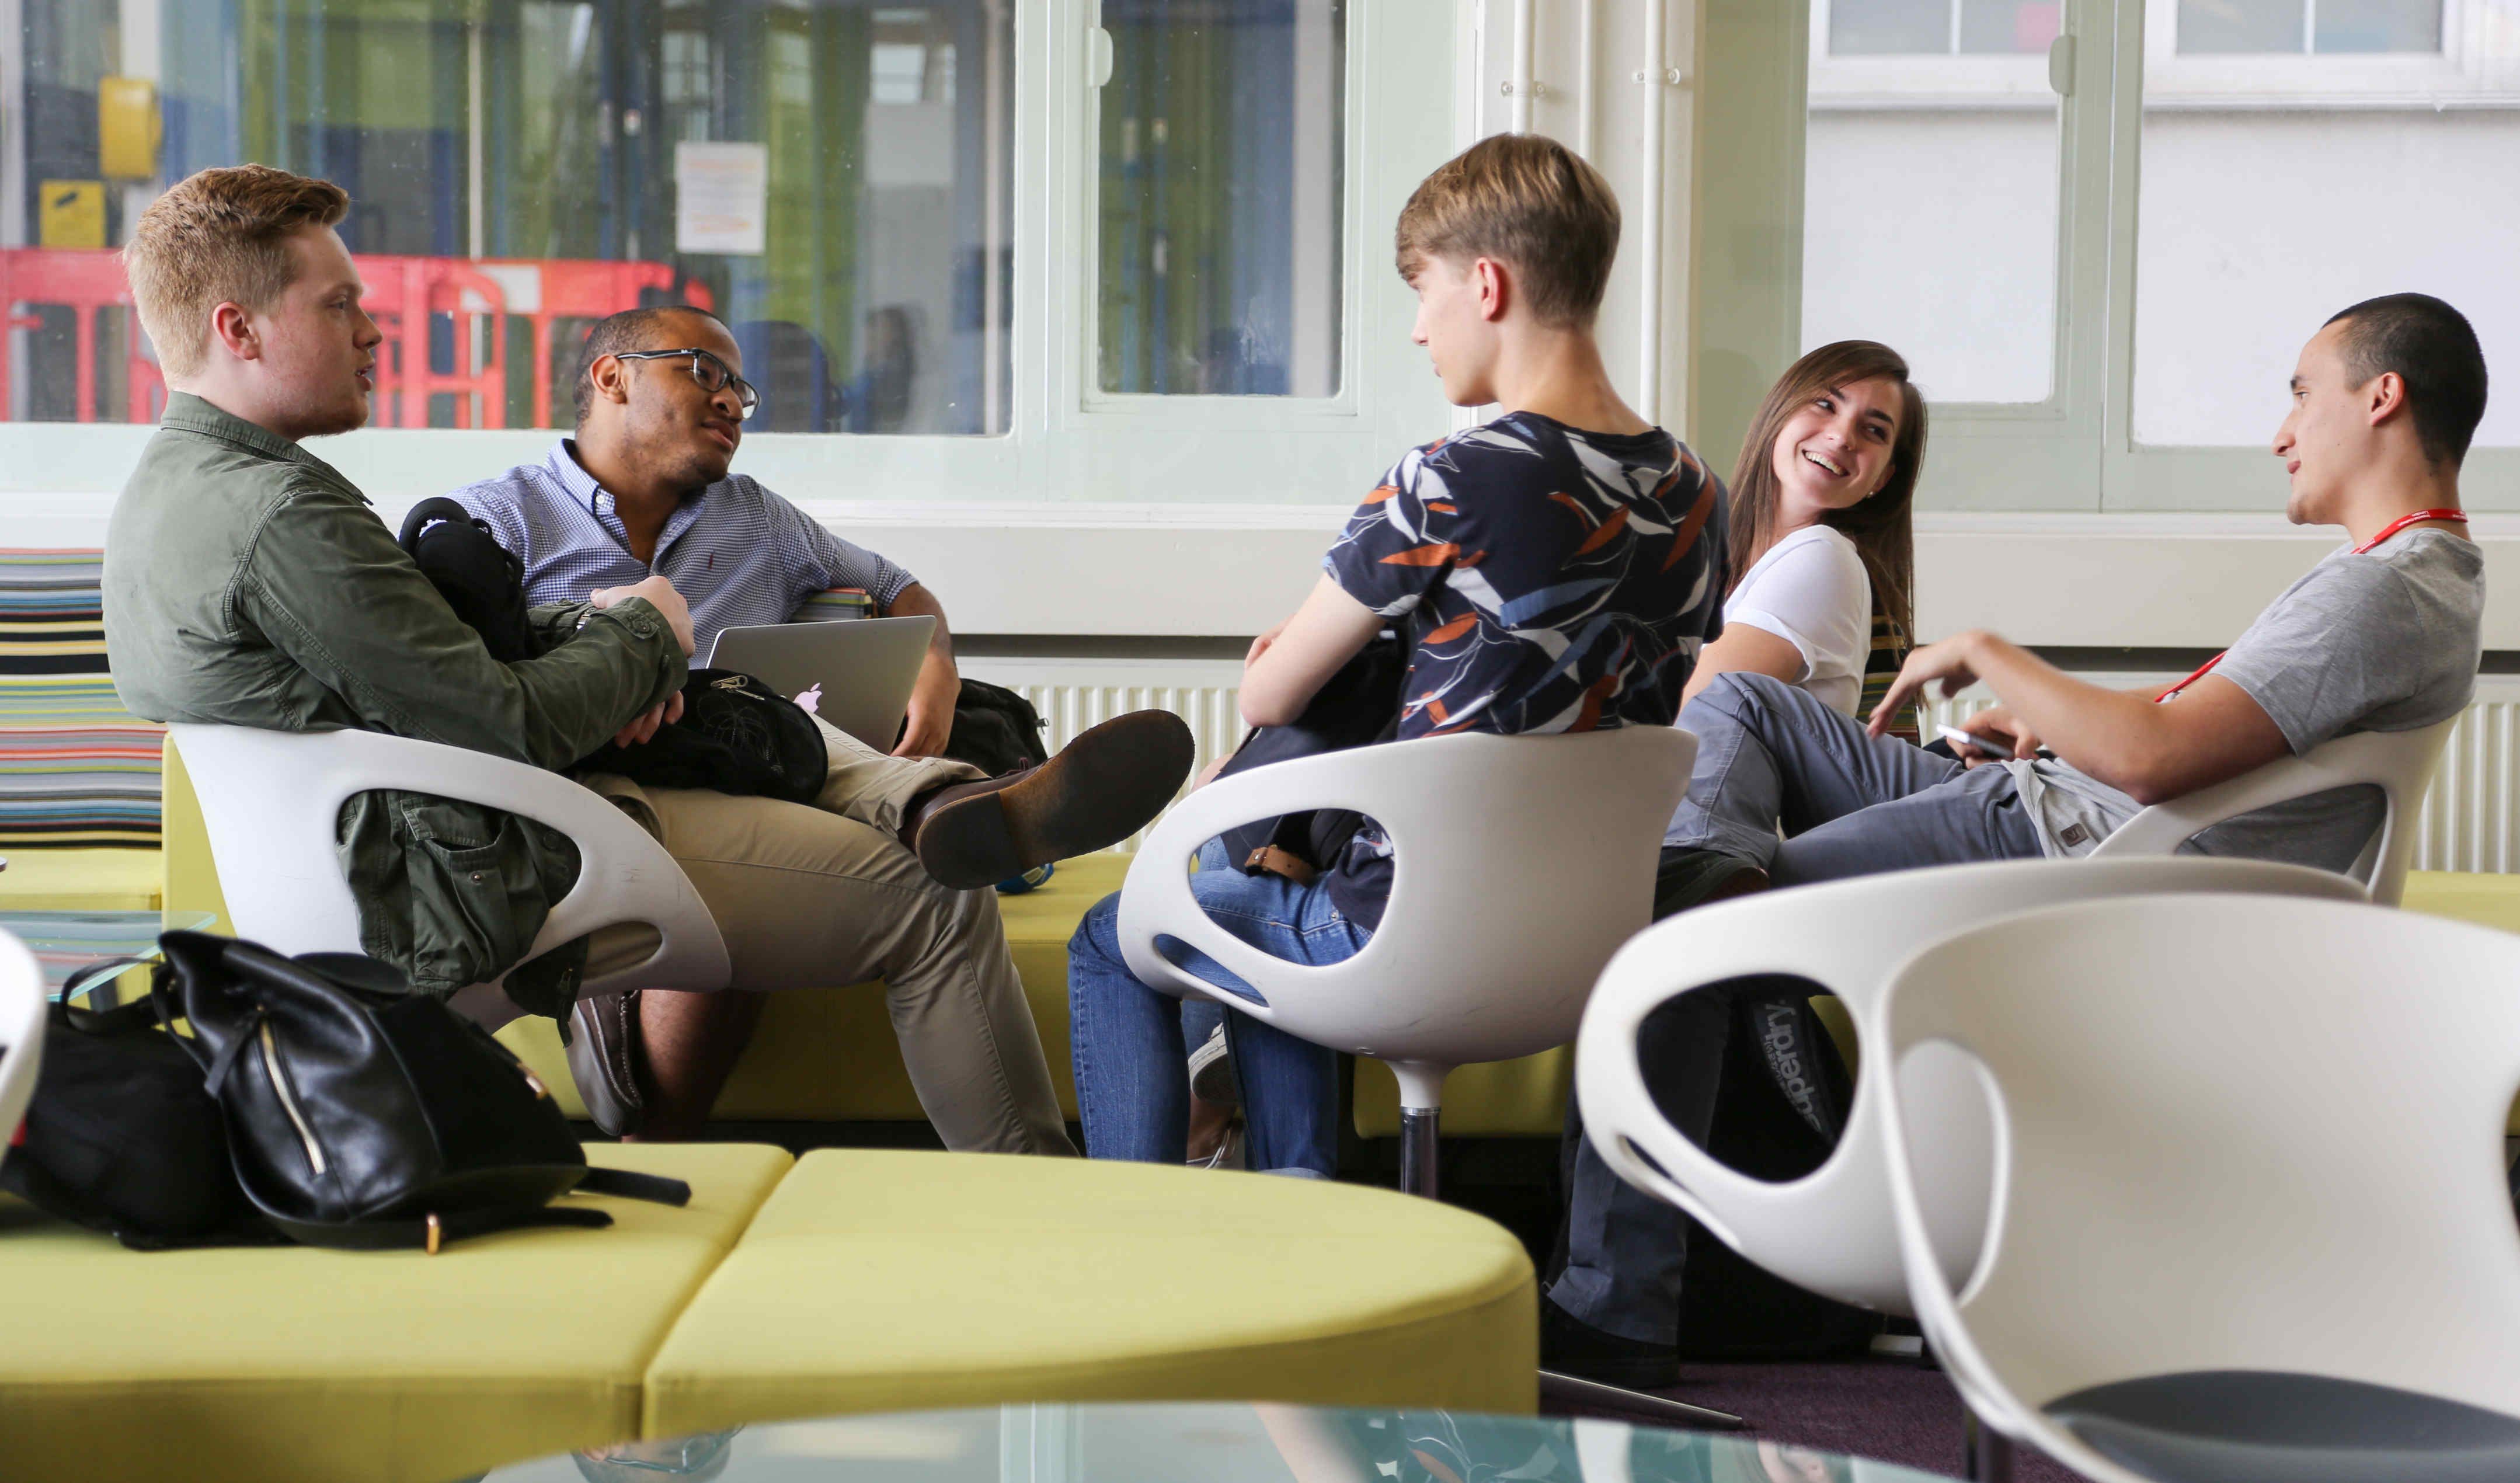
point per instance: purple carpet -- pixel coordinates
(1894, 1409)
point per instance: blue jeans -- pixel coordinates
(1131, 1082)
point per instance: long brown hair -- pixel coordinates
(1880, 526)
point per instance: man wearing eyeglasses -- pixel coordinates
(803, 895)
(644, 489)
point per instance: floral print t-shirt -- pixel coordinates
(1549, 580)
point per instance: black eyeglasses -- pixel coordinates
(713, 375)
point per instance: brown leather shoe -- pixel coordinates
(1099, 790)
(604, 1060)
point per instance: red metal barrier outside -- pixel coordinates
(407, 297)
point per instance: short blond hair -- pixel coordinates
(1529, 202)
(218, 237)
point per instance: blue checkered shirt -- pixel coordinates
(738, 553)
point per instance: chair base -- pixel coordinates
(1986, 1454)
(1568, 1390)
(1417, 1150)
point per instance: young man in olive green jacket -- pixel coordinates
(246, 582)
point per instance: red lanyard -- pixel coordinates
(2386, 531)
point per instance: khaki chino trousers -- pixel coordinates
(813, 896)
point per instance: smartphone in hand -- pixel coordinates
(1993, 746)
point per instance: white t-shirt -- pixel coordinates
(1810, 590)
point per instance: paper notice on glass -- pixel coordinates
(721, 198)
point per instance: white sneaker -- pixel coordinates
(1211, 1071)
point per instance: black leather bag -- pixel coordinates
(362, 1114)
(121, 1138)
(1358, 706)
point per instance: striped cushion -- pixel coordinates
(77, 770)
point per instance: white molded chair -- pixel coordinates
(271, 802)
(2251, 1219)
(2398, 763)
(1832, 1231)
(1523, 861)
(22, 1032)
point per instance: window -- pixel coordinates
(821, 176)
(956, 283)
(1955, 267)
(2157, 214)
(2367, 183)
(1222, 183)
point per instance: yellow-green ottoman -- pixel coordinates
(2488, 900)
(881, 1281)
(264, 1365)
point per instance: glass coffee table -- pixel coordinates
(1214, 1442)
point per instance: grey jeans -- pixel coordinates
(1772, 755)
(1768, 756)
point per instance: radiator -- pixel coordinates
(2471, 819)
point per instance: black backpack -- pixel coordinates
(735, 736)
(1358, 706)
(1773, 1122)
(362, 1114)
(995, 729)
(121, 1138)
(318, 1099)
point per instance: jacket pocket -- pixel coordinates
(476, 894)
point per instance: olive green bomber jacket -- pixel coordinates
(249, 583)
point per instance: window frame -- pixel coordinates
(2013, 455)
(2451, 77)
(1923, 80)
(1221, 413)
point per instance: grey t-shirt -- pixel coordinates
(2385, 639)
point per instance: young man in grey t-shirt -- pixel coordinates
(2382, 635)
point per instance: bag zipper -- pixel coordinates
(289, 1100)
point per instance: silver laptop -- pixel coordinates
(866, 668)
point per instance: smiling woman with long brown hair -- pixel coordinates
(1823, 555)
